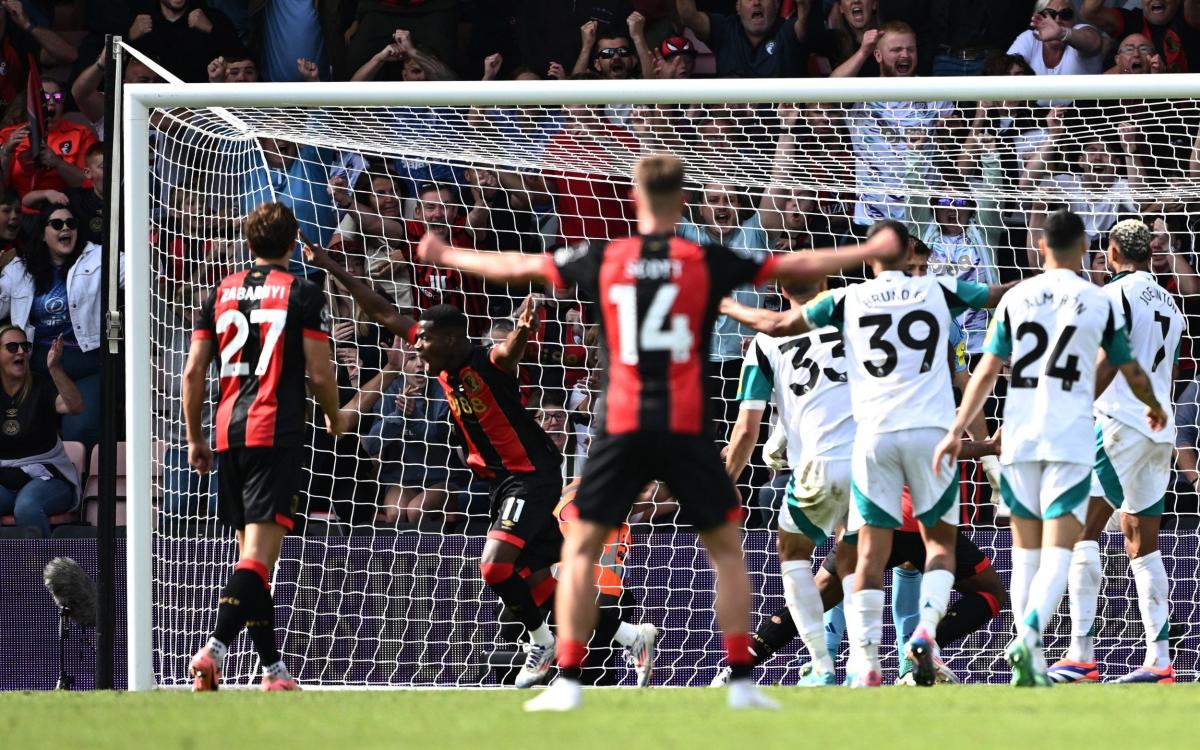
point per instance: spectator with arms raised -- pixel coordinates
(1056, 45)
(1173, 30)
(754, 43)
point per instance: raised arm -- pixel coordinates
(637, 32)
(854, 63)
(86, 89)
(373, 304)
(694, 18)
(1107, 20)
(815, 265)
(509, 352)
(587, 42)
(770, 207)
(997, 291)
(789, 322)
(69, 400)
(369, 393)
(502, 268)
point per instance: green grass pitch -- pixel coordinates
(942, 718)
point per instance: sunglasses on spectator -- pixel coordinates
(1129, 49)
(13, 347)
(1066, 14)
(609, 53)
(55, 96)
(58, 224)
(953, 202)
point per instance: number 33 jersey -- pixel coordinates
(897, 330)
(1051, 328)
(257, 320)
(657, 296)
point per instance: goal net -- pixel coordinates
(379, 586)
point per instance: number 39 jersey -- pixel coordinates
(258, 320)
(657, 297)
(897, 330)
(1052, 327)
(806, 376)
(1154, 326)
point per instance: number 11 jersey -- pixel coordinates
(657, 297)
(257, 320)
(897, 330)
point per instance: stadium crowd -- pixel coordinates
(398, 465)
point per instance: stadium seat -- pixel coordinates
(91, 490)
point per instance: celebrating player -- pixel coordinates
(270, 328)
(1133, 466)
(657, 297)
(1053, 326)
(506, 446)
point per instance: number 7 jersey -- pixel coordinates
(1052, 327)
(257, 320)
(657, 297)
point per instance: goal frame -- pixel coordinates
(138, 99)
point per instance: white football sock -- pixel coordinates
(278, 670)
(864, 627)
(1045, 593)
(218, 650)
(626, 634)
(847, 589)
(1083, 588)
(1025, 567)
(1150, 577)
(804, 603)
(542, 636)
(935, 597)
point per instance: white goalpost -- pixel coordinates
(380, 587)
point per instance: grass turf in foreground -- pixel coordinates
(966, 717)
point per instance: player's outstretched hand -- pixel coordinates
(1156, 417)
(314, 254)
(335, 424)
(200, 457)
(948, 448)
(431, 249)
(527, 318)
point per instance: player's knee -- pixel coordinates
(793, 546)
(495, 573)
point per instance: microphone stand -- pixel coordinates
(65, 681)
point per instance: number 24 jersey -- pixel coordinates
(1052, 327)
(897, 330)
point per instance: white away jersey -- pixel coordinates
(896, 330)
(1052, 327)
(1154, 327)
(806, 375)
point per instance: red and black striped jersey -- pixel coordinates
(502, 436)
(257, 320)
(658, 297)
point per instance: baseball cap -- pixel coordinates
(676, 45)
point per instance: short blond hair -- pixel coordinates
(659, 179)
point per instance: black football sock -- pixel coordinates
(774, 633)
(514, 592)
(261, 627)
(236, 604)
(968, 614)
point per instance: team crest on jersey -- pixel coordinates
(3, 68)
(771, 47)
(472, 382)
(65, 147)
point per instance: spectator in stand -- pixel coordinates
(1135, 54)
(511, 222)
(182, 35)
(237, 67)
(52, 289)
(676, 58)
(401, 60)
(965, 35)
(373, 224)
(87, 89)
(1056, 45)
(291, 29)
(852, 33)
(553, 417)
(59, 163)
(21, 37)
(590, 201)
(439, 211)
(1173, 30)
(88, 202)
(410, 435)
(37, 477)
(754, 43)
(433, 23)
(612, 56)
(882, 133)
(298, 178)
(10, 225)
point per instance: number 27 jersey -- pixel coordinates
(657, 297)
(257, 320)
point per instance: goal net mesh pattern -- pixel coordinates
(380, 584)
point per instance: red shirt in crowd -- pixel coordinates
(68, 139)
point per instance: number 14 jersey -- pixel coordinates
(1052, 327)
(897, 329)
(257, 320)
(657, 297)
